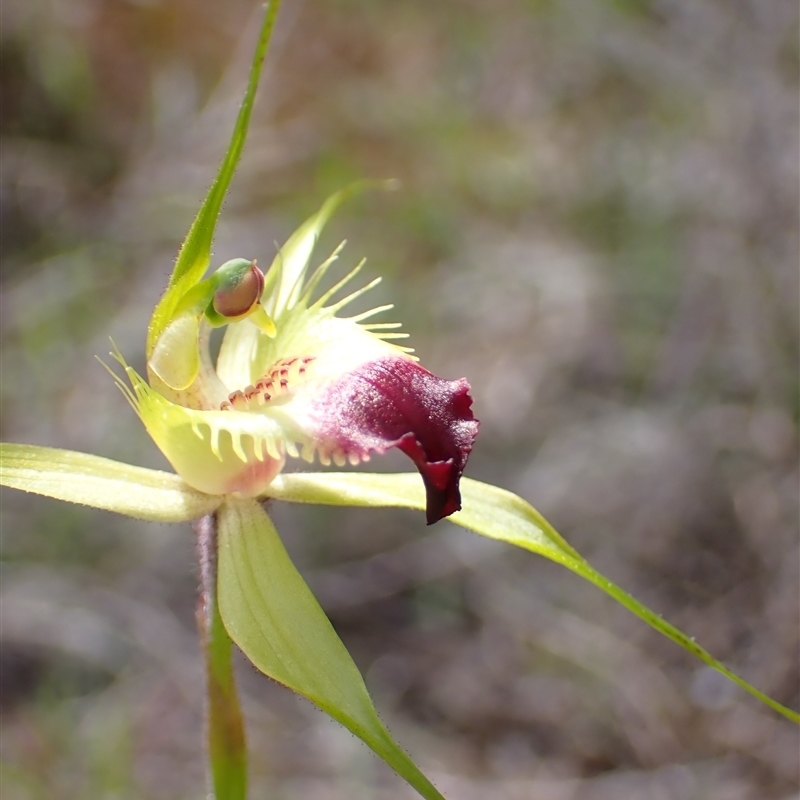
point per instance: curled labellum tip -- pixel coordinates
(394, 402)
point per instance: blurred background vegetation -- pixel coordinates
(597, 225)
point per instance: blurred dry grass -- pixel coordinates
(598, 225)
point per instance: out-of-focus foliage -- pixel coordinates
(597, 226)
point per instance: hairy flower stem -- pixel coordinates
(225, 740)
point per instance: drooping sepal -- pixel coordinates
(496, 514)
(271, 614)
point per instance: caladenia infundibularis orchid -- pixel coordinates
(294, 379)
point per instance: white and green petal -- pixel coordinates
(213, 451)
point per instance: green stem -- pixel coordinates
(225, 739)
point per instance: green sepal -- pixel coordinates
(497, 514)
(271, 614)
(101, 483)
(195, 253)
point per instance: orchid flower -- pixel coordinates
(294, 379)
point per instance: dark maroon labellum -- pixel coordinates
(394, 402)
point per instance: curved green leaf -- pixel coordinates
(497, 514)
(271, 614)
(102, 483)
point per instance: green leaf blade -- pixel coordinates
(101, 483)
(500, 515)
(271, 614)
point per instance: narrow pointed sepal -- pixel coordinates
(101, 483)
(195, 252)
(271, 614)
(496, 514)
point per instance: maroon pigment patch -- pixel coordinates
(394, 402)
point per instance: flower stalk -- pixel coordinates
(225, 736)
